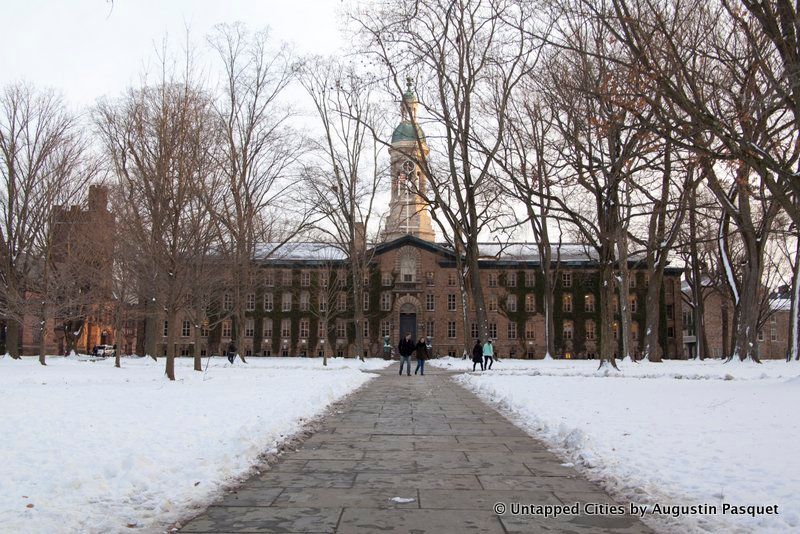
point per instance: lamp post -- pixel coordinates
(322, 347)
(286, 347)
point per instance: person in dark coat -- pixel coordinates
(406, 348)
(422, 355)
(231, 351)
(477, 354)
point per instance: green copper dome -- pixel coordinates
(405, 132)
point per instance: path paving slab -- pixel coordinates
(419, 454)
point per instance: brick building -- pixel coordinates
(301, 304)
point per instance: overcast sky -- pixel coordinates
(89, 48)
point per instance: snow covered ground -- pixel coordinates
(90, 448)
(677, 433)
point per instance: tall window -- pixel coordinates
(322, 330)
(530, 303)
(632, 280)
(286, 302)
(268, 304)
(430, 302)
(590, 330)
(566, 302)
(634, 331)
(341, 301)
(430, 328)
(566, 279)
(204, 329)
(269, 278)
(305, 301)
(323, 278)
(227, 329)
(429, 278)
(186, 329)
(227, 301)
(588, 303)
(670, 311)
(451, 302)
(323, 303)
(250, 304)
(249, 328)
(305, 328)
(473, 330)
(493, 303)
(408, 269)
(166, 328)
(287, 278)
(451, 279)
(341, 328)
(366, 301)
(511, 279)
(386, 301)
(386, 279)
(511, 303)
(530, 331)
(530, 278)
(568, 330)
(386, 328)
(492, 279)
(366, 329)
(266, 328)
(286, 327)
(512, 330)
(451, 329)
(492, 330)
(305, 278)
(633, 303)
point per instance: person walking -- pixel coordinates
(488, 355)
(231, 351)
(477, 355)
(406, 347)
(422, 355)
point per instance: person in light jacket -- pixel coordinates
(477, 355)
(488, 354)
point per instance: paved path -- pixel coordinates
(421, 438)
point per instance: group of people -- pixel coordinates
(407, 347)
(483, 355)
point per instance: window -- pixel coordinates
(530, 331)
(341, 329)
(286, 302)
(323, 303)
(635, 331)
(633, 301)
(670, 331)
(286, 327)
(305, 278)
(512, 330)
(430, 302)
(204, 330)
(493, 303)
(492, 279)
(408, 269)
(166, 328)
(632, 280)
(341, 301)
(366, 301)
(386, 279)
(323, 278)
(451, 329)
(186, 329)
(267, 302)
(761, 335)
(530, 278)
(386, 301)
(530, 303)
(365, 281)
(386, 328)
(266, 328)
(227, 301)
(305, 301)
(773, 319)
(670, 311)
(591, 331)
(451, 279)
(366, 329)
(588, 303)
(269, 279)
(511, 279)
(773, 333)
(615, 328)
(511, 303)
(227, 329)
(566, 302)
(305, 328)
(287, 278)
(492, 330)
(430, 328)
(250, 304)
(566, 279)
(451, 302)
(322, 330)
(567, 330)
(473, 330)
(249, 328)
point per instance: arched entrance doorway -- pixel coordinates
(408, 320)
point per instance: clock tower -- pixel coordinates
(408, 213)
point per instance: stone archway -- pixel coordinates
(407, 308)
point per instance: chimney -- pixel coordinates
(98, 198)
(360, 236)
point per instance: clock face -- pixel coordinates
(408, 166)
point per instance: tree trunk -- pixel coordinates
(794, 352)
(652, 347)
(698, 297)
(150, 328)
(358, 304)
(476, 288)
(172, 331)
(198, 359)
(608, 345)
(624, 303)
(12, 338)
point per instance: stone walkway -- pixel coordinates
(445, 454)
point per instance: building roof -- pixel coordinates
(405, 132)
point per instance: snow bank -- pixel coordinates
(91, 448)
(654, 439)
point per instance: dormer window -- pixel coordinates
(408, 269)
